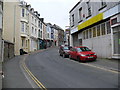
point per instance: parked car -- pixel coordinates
(82, 53)
(64, 50)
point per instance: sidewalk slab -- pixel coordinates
(110, 64)
(14, 77)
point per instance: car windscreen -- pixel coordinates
(82, 49)
(66, 48)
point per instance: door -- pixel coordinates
(116, 40)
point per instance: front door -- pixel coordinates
(116, 40)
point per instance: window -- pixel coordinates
(90, 33)
(103, 3)
(22, 29)
(35, 31)
(89, 9)
(23, 12)
(72, 20)
(103, 28)
(113, 21)
(48, 35)
(41, 33)
(80, 14)
(32, 30)
(108, 27)
(94, 31)
(22, 42)
(35, 21)
(26, 28)
(41, 25)
(32, 19)
(26, 43)
(98, 30)
(86, 34)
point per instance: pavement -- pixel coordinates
(0, 75)
(14, 76)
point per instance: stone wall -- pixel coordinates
(8, 50)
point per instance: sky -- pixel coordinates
(54, 11)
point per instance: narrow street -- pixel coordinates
(54, 71)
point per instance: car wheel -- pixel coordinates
(70, 57)
(64, 55)
(78, 59)
(60, 55)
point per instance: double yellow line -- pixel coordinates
(38, 83)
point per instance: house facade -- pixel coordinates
(21, 27)
(1, 20)
(96, 25)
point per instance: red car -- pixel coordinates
(82, 53)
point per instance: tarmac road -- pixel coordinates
(54, 71)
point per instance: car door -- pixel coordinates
(74, 53)
(71, 52)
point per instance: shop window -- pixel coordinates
(108, 27)
(94, 31)
(103, 28)
(86, 34)
(98, 30)
(90, 33)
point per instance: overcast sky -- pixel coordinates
(54, 11)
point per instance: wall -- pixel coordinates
(8, 50)
(11, 23)
(101, 45)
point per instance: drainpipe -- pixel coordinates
(14, 24)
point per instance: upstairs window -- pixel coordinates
(32, 29)
(103, 3)
(23, 26)
(72, 20)
(89, 9)
(80, 14)
(23, 12)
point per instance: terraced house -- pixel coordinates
(21, 26)
(96, 24)
(1, 20)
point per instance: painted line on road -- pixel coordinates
(102, 68)
(38, 83)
